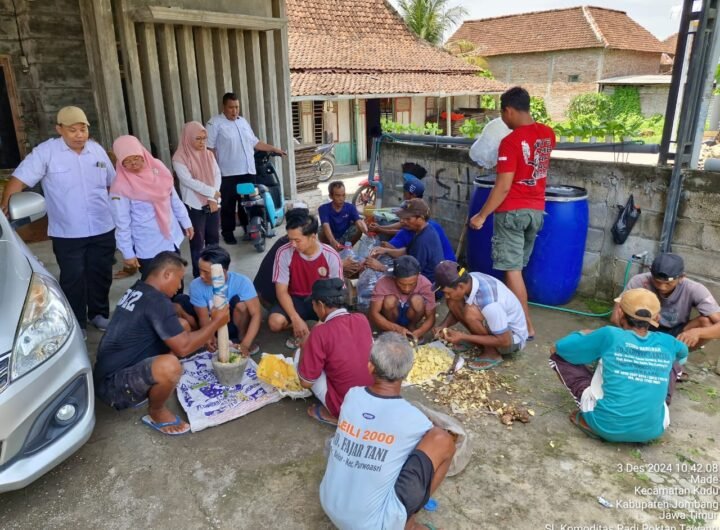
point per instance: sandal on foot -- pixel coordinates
(292, 343)
(480, 364)
(147, 420)
(579, 422)
(317, 416)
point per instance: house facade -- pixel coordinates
(143, 67)
(354, 63)
(561, 53)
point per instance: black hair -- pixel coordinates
(164, 260)
(463, 278)
(229, 96)
(334, 185)
(517, 98)
(306, 222)
(216, 255)
(414, 169)
(294, 212)
(336, 302)
(638, 324)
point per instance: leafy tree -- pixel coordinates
(538, 111)
(467, 51)
(430, 19)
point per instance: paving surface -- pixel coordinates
(263, 470)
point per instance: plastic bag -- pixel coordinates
(365, 245)
(627, 217)
(366, 283)
(463, 447)
(484, 151)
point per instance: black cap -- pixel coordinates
(406, 266)
(327, 287)
(667, 267)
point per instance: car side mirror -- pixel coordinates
(26, 207)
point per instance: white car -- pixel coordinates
(47, 403)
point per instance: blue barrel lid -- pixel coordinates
(485, 181)
(565, 193)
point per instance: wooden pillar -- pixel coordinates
(221, 52)
(101, 49)
(188, 73)
(171, 88)
(238, 69)
(206, 73)
(284, 105)
(153, 92)
(133, 78)
(255, 84)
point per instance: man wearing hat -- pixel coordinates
(413, 189)
(424, 244)
(404, 301)
(625, 398)
(487, 308)
(335, 356)
(678, 297)
(75, 174)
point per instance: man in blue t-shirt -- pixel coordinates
(245, 310)
(625, 399)
(339, 219)
(386, 458)
(137, 359)
(424, 245)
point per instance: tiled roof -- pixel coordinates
(335, 84)
(670, 44)
(558, 29)
(348, 37)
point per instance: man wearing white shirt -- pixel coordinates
(234, 144)
(75, 174)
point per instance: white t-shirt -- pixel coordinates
(499, 306)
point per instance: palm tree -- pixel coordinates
(430, 19)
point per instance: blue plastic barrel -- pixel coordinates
(479, 242)
(555, 268)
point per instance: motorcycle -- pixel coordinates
(324, 161)
(366, 195)
(262, 201)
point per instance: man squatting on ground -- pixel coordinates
(403, 301)
(386, 457)
(626, 398)
(137, 359)
(335, 356)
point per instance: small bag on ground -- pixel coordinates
(463, 448)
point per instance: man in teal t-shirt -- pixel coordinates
(624, 400)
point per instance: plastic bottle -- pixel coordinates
(348, 252)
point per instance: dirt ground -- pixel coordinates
(264, 470)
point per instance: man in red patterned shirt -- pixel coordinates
(298, 265)
(518, 197)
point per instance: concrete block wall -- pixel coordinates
(449, 186)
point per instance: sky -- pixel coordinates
(657, 16)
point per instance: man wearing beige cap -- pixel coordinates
(626, 398)
(75, 174)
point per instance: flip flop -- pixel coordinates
(316, 415)
(530, 338)
(292, 343)
(576, 419)
(147, 420)
(460, 347)
(491, 363)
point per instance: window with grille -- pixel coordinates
(297, 130)
(431, 109)
(386, 109)
(318, 121)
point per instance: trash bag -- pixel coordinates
(626, 219)
(484, 151)
(366, 283)
(463, 448)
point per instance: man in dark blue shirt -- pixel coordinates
(424, 245)
(340, 220)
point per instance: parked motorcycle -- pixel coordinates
(262, 201)
(366, 194)
(324, 161)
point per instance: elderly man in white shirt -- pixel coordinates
(234, 144)
(75, 174)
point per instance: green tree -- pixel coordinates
(430, 19)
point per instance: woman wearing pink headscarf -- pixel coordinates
(149, 215)
(200, 180)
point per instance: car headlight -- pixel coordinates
(46, 324)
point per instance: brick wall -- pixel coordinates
(548, 74)
(697, 237)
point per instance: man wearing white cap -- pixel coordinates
(625, 399)
(75, 174)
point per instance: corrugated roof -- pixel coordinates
(557, 29)
(341, 38)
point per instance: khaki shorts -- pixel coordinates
(514, 234)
